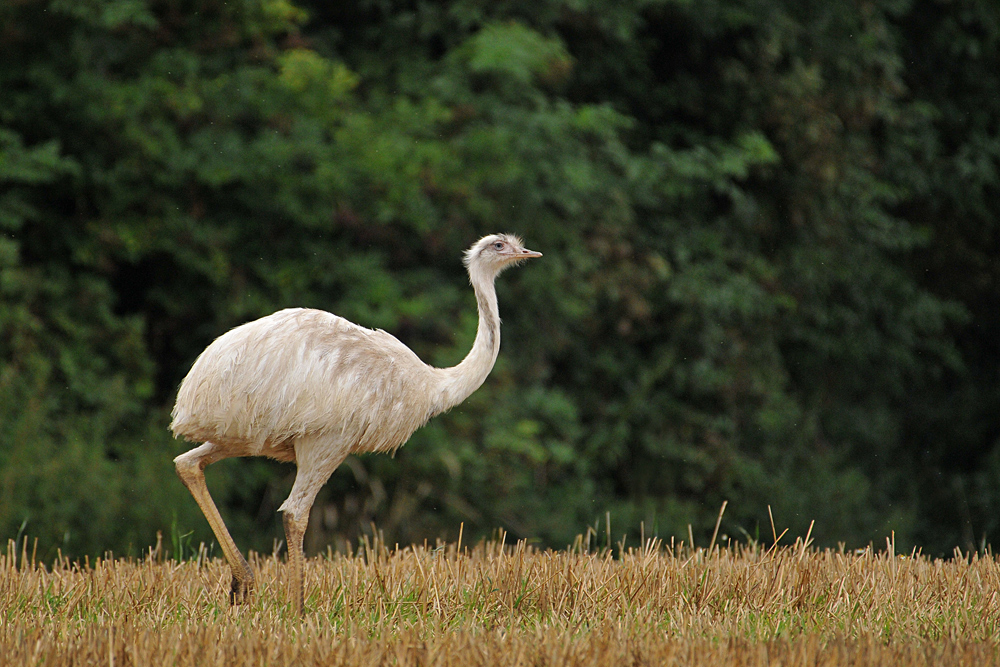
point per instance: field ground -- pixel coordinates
(513, 605)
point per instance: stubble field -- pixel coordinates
(511, 605)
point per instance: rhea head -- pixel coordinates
(494, 253)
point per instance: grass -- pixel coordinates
(515, 605)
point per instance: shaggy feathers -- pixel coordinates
(339, 369)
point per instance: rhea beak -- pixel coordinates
(515, 254)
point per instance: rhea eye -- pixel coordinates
(498, 245)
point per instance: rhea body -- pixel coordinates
(308, 386)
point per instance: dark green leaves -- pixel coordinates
(768, 273)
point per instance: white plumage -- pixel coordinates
(285, 375)
(307, 386)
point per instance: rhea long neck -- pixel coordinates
(458, 382)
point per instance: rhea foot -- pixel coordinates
(242, 586)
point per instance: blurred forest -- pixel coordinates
(771, 272)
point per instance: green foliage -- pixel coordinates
(516, 51)
(769, 270)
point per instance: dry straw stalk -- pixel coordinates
(513, 605)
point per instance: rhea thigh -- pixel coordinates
(316, 457)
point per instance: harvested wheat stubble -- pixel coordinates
(514, 605)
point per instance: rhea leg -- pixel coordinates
(315, 463)
(295, 530)
(190, 468)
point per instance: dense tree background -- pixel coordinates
(771, 273)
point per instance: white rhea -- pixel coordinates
(307, 386)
